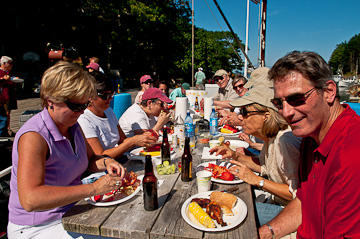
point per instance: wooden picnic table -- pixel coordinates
(131, 220)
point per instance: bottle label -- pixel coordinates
(213, 122)
(189, 127)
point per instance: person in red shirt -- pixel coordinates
(327, 203)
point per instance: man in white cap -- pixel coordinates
(199, 77)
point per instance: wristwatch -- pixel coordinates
(261, 183)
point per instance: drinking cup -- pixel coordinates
(203, 179)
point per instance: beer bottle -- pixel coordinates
(197, 109)
(165, 147)
(150, 186)
(186, 162)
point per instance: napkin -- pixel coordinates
(208, 104)
(181, 107)
(207, 155)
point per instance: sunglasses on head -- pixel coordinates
(106, 96)
(75, 107)
(238, 86)
(244, 112)
(294, 99)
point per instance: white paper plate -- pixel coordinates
(240, 212)
(237, 144)
(233, 134)
(104, 204)
(135, 154)
(220, 163)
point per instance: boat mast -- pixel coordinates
(263, 33)
(192, 44)
(234, 35)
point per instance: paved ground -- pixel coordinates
(33, 103)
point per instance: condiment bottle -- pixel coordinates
(186, 162)
(150, 186)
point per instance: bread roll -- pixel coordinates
(226, 211)
(224, 199)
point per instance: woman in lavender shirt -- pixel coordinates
(50, 154)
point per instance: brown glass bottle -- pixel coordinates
(165, 147)
(186, 162)
(150, 186)
(196, 106)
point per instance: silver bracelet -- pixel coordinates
(271, 230)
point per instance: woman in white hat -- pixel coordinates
(278, 162)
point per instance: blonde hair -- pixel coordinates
(65, 81)
(273, 124)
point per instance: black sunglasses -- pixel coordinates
(244, 112)
(217, 78)
(106, 96)
(148, 82)
(75, 107)
(296, 99)
(238, 86)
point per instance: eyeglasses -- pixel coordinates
(238, 86)
(75, 107)
(162, 104)
(218, 78)
(296, 99)
(106, 96)
(244, 112)
(148, 82)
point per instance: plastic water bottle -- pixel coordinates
(213, 123)
(189, 126)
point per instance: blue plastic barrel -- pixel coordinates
(120, 104)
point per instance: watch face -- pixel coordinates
(261, 184)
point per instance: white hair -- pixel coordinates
(5, 59)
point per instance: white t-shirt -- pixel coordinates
(135, 118)
(105, 129)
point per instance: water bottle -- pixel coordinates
(189, 126)
(213, 122)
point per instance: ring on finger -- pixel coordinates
(117, 183)
(237, 170)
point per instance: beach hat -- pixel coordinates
(260, 95)
(94, 66)
(220, 72)
(186, 86)
(155, 93)
(145, 78)
(259, 77)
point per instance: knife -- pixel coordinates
(230, 190)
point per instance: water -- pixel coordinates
(343, 95)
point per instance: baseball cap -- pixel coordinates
(186, 86)
(94, 66)
(155, 93)
(145, 78)
(259, 77)
(220, 72)
(260, 95)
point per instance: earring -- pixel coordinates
(51, 107)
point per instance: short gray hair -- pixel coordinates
(5, 59)
(237, 78)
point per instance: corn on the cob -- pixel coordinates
(153, 154)
(201, 216)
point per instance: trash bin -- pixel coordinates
(120, 104)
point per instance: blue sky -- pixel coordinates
(311, 25)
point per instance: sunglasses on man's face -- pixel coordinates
(218, 78)
(296, 99)
(238, 86)
(106, 96)
(148, 82)
(75, 107)
(244, 112)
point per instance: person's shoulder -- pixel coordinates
(286, 136)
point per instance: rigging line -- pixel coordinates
(223, 32)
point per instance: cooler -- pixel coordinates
(120, 104)
(211, 89)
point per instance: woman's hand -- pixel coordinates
(245, 137)
(244, 173)
(164, 118)
(115, 168)
(106, 184)
(224, 151)
(144, 140)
